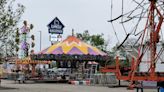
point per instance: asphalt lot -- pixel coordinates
(58, 87)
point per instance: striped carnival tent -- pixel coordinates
(72, 45)
(70, 48)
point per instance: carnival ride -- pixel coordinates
(70, 53)
(148, 39)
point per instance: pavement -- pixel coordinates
(11, 86)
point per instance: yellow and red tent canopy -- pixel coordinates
(72, 46)
(71, 49)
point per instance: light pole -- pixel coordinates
(40, 40)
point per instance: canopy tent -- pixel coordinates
(72, 45)
(70, 49)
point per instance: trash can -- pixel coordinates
(161, 89)
(161, 85)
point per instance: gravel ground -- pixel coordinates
(58, 87)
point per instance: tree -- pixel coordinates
(9, 18)
(84, 36)
(95, 40)
(98, 41)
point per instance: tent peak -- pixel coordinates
(73, 32)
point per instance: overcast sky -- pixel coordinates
(79, 15)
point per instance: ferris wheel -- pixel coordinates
(143, 20)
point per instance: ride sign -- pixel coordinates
(55, 26)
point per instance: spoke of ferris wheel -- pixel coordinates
(115, 32)
(122, 18)
(137, 7)
(112, 23)
(115, 18)
(124, 29)
(124, 21)
(140, 17)
(123, 41)
(128, 15)
(135, 28)
(144, 11)
(161, 59)
(139, 20)
(136, 24)
(135, 16)
(130, 12)
(138, 39)
(140, 32)
(143, 30)
(157, 57)
(111, 20)
(140, 57)
(138, 3)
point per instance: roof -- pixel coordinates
(72, 46)
(72, 49)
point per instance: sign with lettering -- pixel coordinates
(55, 26)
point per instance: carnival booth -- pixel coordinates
(28, 66)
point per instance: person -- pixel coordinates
(63, 77)
(21, 77)
(16, 75)
(0, 79)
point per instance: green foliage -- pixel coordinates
(17, 36)
(98, 41)
(32, 44)
(84, 36)
(32, 51)
(32, 37)
(9, 18)
(17, 49)
(95, 40)
(31, 26)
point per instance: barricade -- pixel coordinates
(83, 82)
(104, 79)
